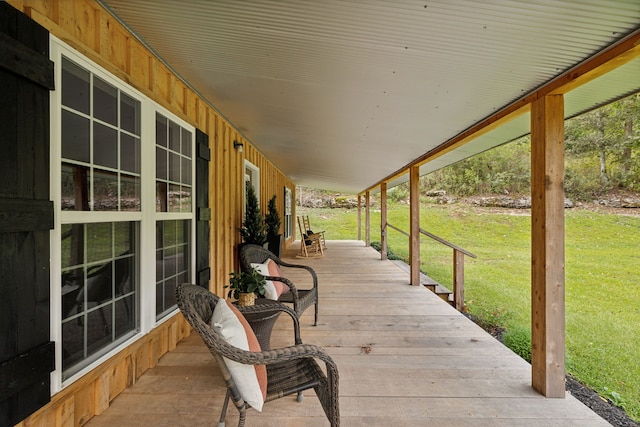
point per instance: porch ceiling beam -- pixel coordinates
(603, 62)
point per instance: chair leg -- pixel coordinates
(243, 414)
(223, 414)
(315, 322)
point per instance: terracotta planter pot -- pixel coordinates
(247, 299)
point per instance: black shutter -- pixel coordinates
(203, 155)
(26, 216)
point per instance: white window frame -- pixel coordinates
(252, 175)
(288, 216)
(146, 217)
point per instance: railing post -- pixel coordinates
(458, 280)
(414, 221)
(383, 220)
(359, 217)
(367, 219)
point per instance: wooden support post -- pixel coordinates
(359, 217)
(383, 221)
(547, 246)
(414, 226)
(458, 280)
(367, 220)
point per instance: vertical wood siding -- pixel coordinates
(88, 28)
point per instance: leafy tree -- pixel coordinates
(611, 134)
(502, 170)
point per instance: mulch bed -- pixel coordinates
(613, 414)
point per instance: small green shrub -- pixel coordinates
(390, 254)
(399, 193)
(518, 339)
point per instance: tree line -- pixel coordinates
(601, 155)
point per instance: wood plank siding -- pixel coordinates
(93, 32)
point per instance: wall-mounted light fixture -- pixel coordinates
(238, 146)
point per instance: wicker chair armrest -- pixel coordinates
(275, 306)
(311, 271)
(286, 281)
(283, 354)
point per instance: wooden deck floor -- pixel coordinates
(405, 357)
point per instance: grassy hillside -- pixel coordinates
(602, 280)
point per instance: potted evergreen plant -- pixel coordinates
(272, 223)
(253, 229)
(245, 287)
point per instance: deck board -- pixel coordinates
(405, 357)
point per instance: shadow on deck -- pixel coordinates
(406, 358)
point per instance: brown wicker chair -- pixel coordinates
(290, 370)
(300, 298)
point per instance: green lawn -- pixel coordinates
(602, 280)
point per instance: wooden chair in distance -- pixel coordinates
(310, 245)
(309, 230)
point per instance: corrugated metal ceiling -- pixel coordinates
(340, 94)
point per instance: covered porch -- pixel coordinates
(405, 358)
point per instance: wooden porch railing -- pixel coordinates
(458, 264)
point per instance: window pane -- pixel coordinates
(72, 245)
(170, 293)
(124, 276)
(186, 171)
(130, 193)
(75, 187)
(129, 114)
(105, 146)
(99, 285)
(174, 198)
(174, 136)
(161, 163)
(124, 238)
(105, 190)
(159, 266)
(129, 153)
(185, 199)
(161, 131)
(170, 262)
(99, 241)
(125, 316)
(174, 167)
(186, 143)
(75, 137)
(72, 284)
(169, 233)
(161, 197)
(72, 342)
(159, 298)
(75, 86)
(98, 329)
(105, 101)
